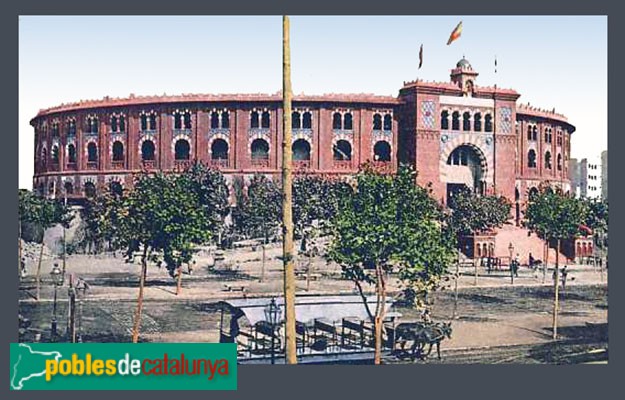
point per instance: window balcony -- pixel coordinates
(343, 131)
(182, 131)
(219, 163)
(301, 164)
(148, 164)
(343, 164)
(182, 164)
(92, 165)
(71, 166)
(259, 132)
(382, 165)
(260, 162)
(118, 164)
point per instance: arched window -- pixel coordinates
(382, 151)
(466, 121)
(477, 122)
(342, 151)
(116, 188)
(55, 154)
(118, 151)
(71, 153)
(347, 122)
(114, 124)
(337, 121)
(301, 150)
(92, 152)
(122, 123)
(219, 150)
(214, 120)
(147, 150)
(187, 120)
(225, 120)
(460, 156)
(377, 122)
(152, 122)
(559, 162)
(254, 119)
(260, 149)
(51, 188)
(388, 122)
(445, 120)
(69, 188)
(71, 127)
(93, 125)
(488, 123)
(144, 122)
(44, 156)
(517, 195)
(531, 159)
(182, 149)
(296, 122)
(307, 120)
(177, 120)
(548, 160)
(529, 132)
(455, 121)
(534, 133)
(90, 190)
(264, 123)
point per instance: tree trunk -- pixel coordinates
(137, 323)
(179, 281)
(72, 311)
(262, 266)
(546, 257)
(308, 272)
(19, 248)
(287, 204)
(454, 314)
(379, 314)
(37, 278)
(474, 261)
(64, 256)
(556, 286)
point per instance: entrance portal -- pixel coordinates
(466, 169)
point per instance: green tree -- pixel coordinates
(387, 221)
(259, 213)
(43, 213)
(472, 214)
(556, 217)
(162, 218)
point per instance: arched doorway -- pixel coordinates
(301, 150)
(182, 150)
(466, 168)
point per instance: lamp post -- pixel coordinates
(81, 286)
(272, 315)
(57, 279)
(512, 263)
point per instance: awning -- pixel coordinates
(307, 309)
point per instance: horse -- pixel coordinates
(422, 334)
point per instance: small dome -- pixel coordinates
(464, 64)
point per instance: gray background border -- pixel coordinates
(351, 382)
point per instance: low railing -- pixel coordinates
(182, 164)
(219, 163)
(71, 166)
(183, 131)
(260, 162)
(301, 164)
(343, 131)
(118, 164)
(342, 164)
(92, 165)
(148, 164)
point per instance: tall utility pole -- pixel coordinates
(287, 209)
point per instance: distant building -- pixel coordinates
(586, 177)
(604, 174)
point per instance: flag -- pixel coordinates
(495, 64)
(455, 34)
(421, 56)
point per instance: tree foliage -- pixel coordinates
(258, 212)
(41, 212)
(554, 215)
(471, 214)
(388, 221)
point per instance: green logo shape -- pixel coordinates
(123, 366)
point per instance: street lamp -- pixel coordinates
(81, 286)
(57, 279)
(272, 316)
(512, 263)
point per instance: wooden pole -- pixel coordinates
(39, 270)
(19, 248)
(179, 281)
(287, 204)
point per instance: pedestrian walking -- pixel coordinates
(564, 275)
(425, 316)
(530, 261)
(23, 267)
(516, 265)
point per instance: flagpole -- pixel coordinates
(495, 132)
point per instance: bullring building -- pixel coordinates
(456, 133)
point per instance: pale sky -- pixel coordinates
(556, 62)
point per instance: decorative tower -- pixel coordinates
(464, 76)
